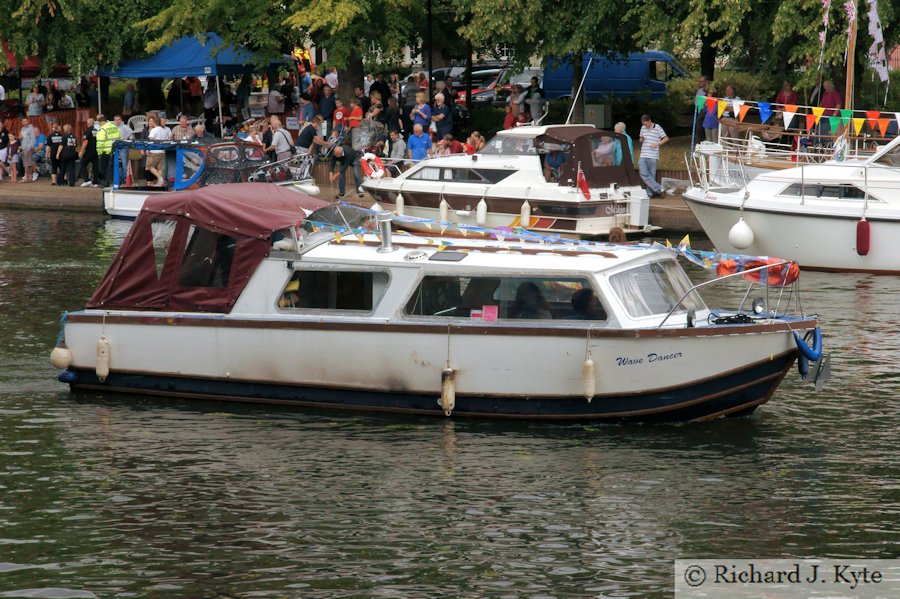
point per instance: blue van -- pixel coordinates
(620, 76)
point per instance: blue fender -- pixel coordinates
(815, 352)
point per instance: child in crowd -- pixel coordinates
(12, 158)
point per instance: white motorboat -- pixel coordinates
(835, 216)
(194, 164)
(503, 185)
(227, 292)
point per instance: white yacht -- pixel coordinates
(503, 185)
(835, 216)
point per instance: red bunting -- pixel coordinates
(873, 115)
(711, 104)
(810, 121)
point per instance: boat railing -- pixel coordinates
(740, 310)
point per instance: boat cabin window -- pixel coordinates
(334, 290)
(654, 288)
(506, 298)
(461, 175)
(162, 239)
(891, 158)
(191, 162)
(836, 191)
(207, 259)
(509, 144)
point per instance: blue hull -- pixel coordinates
(733, 393)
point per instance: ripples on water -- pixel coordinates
(126, 496)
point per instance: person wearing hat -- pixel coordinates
(106, 137)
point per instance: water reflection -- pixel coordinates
(114, 495)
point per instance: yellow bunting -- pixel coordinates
(441, 248)
(721, 108)
(337, 236)
(818, 111)
(858, 124)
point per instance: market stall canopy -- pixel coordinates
(30, 67)
(189, 56)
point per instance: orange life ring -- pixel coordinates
(779, 274)
(376, 172)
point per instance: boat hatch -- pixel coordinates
(654, 288)
(330, 289)
(506, 297)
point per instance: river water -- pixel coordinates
(118, 496)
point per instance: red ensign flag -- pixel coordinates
(582, 183)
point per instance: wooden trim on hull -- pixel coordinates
(456, 328)
(718, 396)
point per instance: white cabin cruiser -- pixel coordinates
(836, 216)
(194, 164)
(503, 185)
(242, 300)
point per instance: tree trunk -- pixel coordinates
(707, 57)
(149, 94)
(577, 76)
(349, 78)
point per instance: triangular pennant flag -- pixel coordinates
(765, 111)
(834, 122)
(791, 108)
(883, 125)
(810, 121)
(722, 106)
(736, 105)
(897, 116)
(858, 125)
(846, 115)
(872, 115)
(711, 104)
(788, 115)
(701, 102)
(818, 111)
(744, 110)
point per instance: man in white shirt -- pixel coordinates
(652, 138)
(156, 159)
(126, 133)
(281, 140)
(276, 102)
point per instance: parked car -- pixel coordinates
(510, 78)
(483, 83)
(620, 75)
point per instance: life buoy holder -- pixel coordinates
(368, 160)
(810, 353)
(779, 274)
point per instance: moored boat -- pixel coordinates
(230, 293)
(594, 189)
(194, 164)
(836, 216)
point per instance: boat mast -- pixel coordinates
(851, 62)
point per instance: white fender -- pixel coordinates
(445, 211)
(481, 213)
(448, 391)
(741, 235)
(399, 204)
(376, 207)
(103, 354)
(525, 214)
(588, 374)
(61, 357)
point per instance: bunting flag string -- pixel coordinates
(872, 117)
(883, 126)
(721, 108)
(834, 122)
(858, 124)
(700, 101)
(744, 110)
(810, 122)
(846, 115)
(765, 111)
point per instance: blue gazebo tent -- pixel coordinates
(188, 57)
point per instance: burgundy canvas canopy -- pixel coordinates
(581, 146)
(219, 235)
